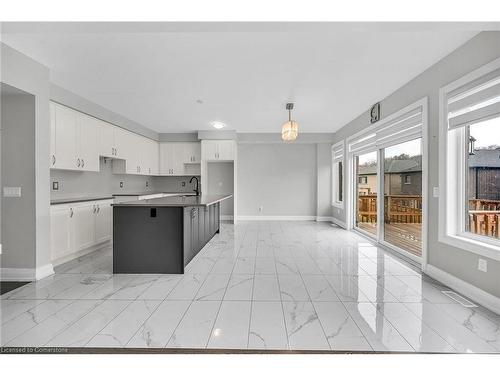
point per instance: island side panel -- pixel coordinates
(148, 240)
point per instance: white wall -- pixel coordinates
(478, 51)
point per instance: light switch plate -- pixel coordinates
(435, 192)
(482, 265)
(121, 184)
(55, 185)
(14, 192)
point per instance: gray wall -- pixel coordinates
(279, 177)
(18, 170)
(22, 72)
(220, 178)
(478, 51)
(324, 180)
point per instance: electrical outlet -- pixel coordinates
(482, 265)
(12, 192)
(121, 184)
(183, 183)
(55, 185)
(147, 183)
(435, 192)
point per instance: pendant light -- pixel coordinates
(290, 129)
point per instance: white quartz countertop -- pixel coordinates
(177, 201)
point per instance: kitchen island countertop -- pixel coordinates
(177, 201)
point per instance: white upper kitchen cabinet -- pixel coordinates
(87, 149)
(52, 114)
(152, 156)
(123, 143)
(65, 128)
(218, 150)
(73, 139)
(106, 135)
(192, 152)
(171, 159)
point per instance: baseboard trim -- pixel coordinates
(340, 223)
(324, 218)
(276, 218)
(468, 290)
(44, 271)
(17, 274)
(226, 217)
(26, 274)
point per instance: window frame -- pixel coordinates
(335, 175)
(453, 166)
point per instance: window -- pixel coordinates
(407, 179)
(338, 174)
(470, 162)
(366, 166)
(483, 182)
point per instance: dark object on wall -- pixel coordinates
(375, 113)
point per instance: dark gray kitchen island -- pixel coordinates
(162, 235)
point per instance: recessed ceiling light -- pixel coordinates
(218, 124)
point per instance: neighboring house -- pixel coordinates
(402, 177)
(484, 174)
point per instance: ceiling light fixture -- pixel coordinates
(290, 129)
(218, 124)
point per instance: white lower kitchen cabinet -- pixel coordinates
(76, 227)
(103, 221)
(61, 231)
(84, 221)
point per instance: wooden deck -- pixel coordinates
(406, 236)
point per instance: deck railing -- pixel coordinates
(397, 208)
(484, 217)
(484, 214)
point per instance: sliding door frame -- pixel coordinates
(351, 194)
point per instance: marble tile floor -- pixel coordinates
(257, 285)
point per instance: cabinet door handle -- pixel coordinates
(98, 208)
(71, 212)
(78, 162)
(83, 163)
(93, 210)
(53, 159)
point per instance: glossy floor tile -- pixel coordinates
(257, 285)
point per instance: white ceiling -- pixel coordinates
(244, 74)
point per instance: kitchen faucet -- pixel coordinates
(197, 190)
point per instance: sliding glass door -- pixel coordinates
(402, 181)
(366, 168)
(396, 183)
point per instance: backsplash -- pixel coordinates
(80, 184)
